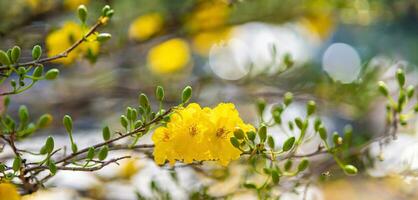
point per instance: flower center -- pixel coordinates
(193, 130)
(221, 133)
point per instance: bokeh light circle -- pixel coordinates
(341, 62)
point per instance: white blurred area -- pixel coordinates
(342, 62)
(257, 47)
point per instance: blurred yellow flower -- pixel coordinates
(129, 168)
(73, 4)
(199, 134)
(8, 192)
(202, 42)
(320, 24)
(61, 39)
(169, 56)
(208, 15)
(145, 26)
(39, 6)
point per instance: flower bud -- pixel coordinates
(234, 141)
(124, 121)
(105, 9)
(270, 142)
(143, 100)
(322, 132)
(90, 153)
(82, 13)
(310, 108)
(51, 74)
(38, 71)
(350, 170)
(103, 37)
(23, 114)
(239, 134)
(262, 133)
(383, 88)
(44, 121)
(261, 105)
(186, 94)
(4, 58)
(68, 123)
(159, 93)
(52, 167)
(251, 135)
(288, 98)
(410, 91)
(16, 163)
(15, 55)
(36, 52)
(400, 76)
(74, 147)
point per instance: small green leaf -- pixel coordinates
(303, 165)
(106, 133)
(275, 176)
(288, 144)
(52, 167)
(16, 163)
(270, 142)
(49, 145)
(90, 153)
(38, 71)
(262, 133)
(103, 153)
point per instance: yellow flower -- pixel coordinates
(59, 40)
(202, 42)
(38, 6)
(143, 27)
(184, 137)
(209, 15)
(73, 4)
(226, 120)
(169, 56)
(199, 134)
(8, 192)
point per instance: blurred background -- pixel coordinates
(229, 51)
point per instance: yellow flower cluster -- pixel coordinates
(199, 134)
(8, 192)
(145, 26)
(169, 56)
(61, 39)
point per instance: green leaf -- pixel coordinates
(262, 133)
(52, 167)
(103, 153)
(16, 163)
(303, 165)
(124, 121)
(186, 94)
(106, 133)
(270, 142)
(275, 176)
(288, 144)
(90, 153)
(49, 145)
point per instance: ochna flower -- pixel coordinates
(169, 56)
(8, 192)
(145, 26)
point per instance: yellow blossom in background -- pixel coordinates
(169, 56)
(199, 134)
(61, 39)
(320, 24)
(208, 15)
(8, 192)
(73, 4)
(128, 168)
(145, 26)
(203, 41)
(38, 6)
